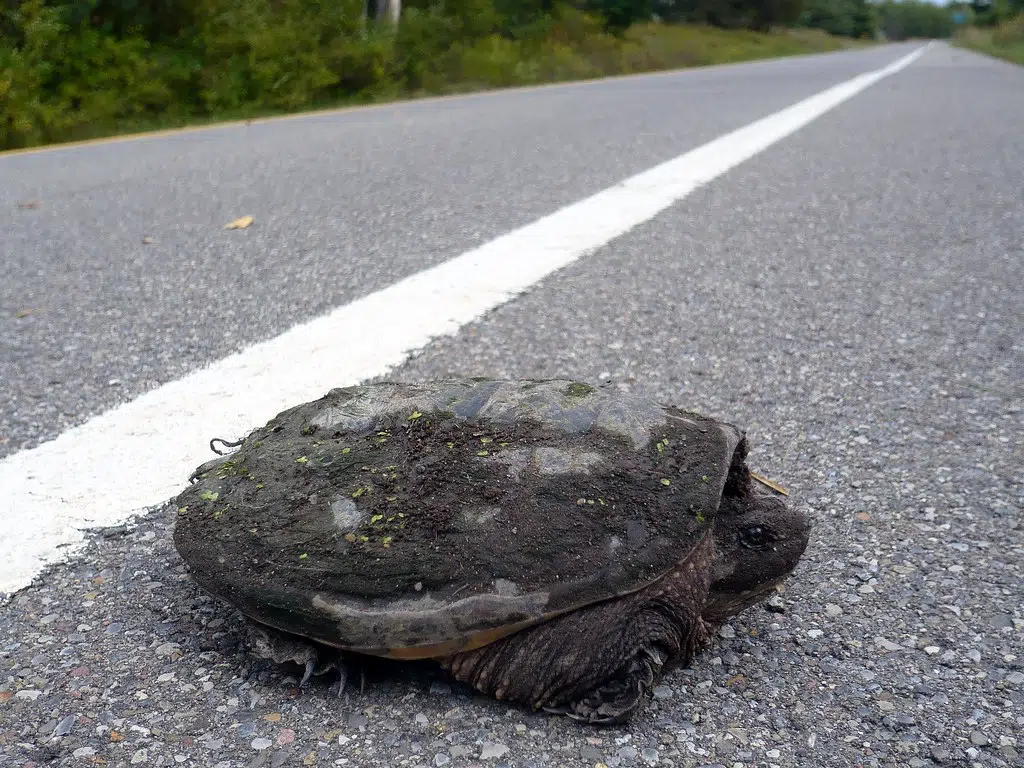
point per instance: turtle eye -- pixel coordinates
(756, 537)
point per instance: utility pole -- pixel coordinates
(389, 10)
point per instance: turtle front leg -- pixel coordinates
(598, 664)
(282, 647)
(620, 696)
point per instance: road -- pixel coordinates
(850, 294)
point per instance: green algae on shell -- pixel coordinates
(472, 517)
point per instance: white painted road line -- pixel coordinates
(140, 454)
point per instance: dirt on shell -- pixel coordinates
(428, 504)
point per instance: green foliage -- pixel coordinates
(849, 18)
(620, 15)
(61, 76)
(991, 13)
(915, 19)
(78, 68)
(1005, 41)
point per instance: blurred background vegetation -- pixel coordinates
(72, 69)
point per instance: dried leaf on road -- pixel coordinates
(241, 223)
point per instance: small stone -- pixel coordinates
(590, 753)
(931, 650)
(1014, 678)
(491, 750)
(773, 754)
(774, 604)
(260, 744)
(974, 655)
(169, 650)
(650, 756)
(1009, 754)
(147, 240)
(286, 736)
(979, 739)
(886, 706)
(725, 747)
(421, 719)
(814, 634)
(140, 756)
(357, 721)
(663, 692)
(865, 589)
(727, 632)
(28, 694)
(832, 610)
(64, 726)
(917, 762)
(627, 753)
(940, 755)
(441, 759)
(887, 645)
(83, 752)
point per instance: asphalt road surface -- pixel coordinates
(852, 296)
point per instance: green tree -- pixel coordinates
(771, 13)
(619, 15)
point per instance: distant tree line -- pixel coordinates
(68, 66)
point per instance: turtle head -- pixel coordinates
(759, 540)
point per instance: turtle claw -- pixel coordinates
(310, 666)
(561, 710)
(282, 648)
(344, 668)
(616, 700)
(342, 677)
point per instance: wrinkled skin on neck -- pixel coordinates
(759, 541)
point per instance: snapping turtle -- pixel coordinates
(549, 543)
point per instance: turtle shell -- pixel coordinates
(414, 520)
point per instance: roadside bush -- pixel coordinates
(915, 19)
(263, 53)
(61, 80)
(1005, 41)
(81, 68)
